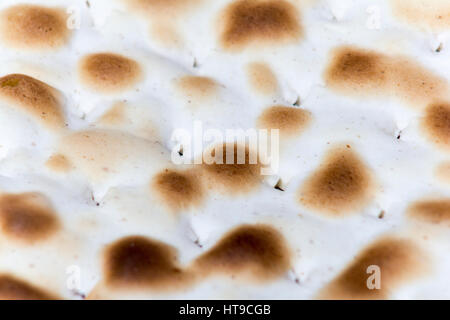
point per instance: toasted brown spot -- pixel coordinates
(58, 163)
(399, 260)
(34, 97)
(141, 262)
(114, 116)
(357, 69)
(27, 217)
(162, 8)
(109, 72)
(197, 87)
(241, 176)
(259, 21)
(341, 185)
(361, 72)
(433, 211)
(442, 172)
(429, 14)
(290, 121)
(262, 78)
(258, 251)
(35, 27)
(179, 189)
(12, 288)
(436, 124)
(167, 35)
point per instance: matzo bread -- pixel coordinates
(92, 205)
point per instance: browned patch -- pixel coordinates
(342, 184)
(242, 175)
(167, 35)
(12, 288)
(290, 121)
(426, 14)
(141, 262)
(399, 260)
(58, 163)
(442, 172)
(432, 211)
(357, 69)
(179, 189)
(197, 87)
(436, 124)
(162, 8)
(114, 116)
(259, 21)
(257, 251)
(262, 78)
(109, 72)
(361, 72)
(35, 27)
(27, 217)
(34, 97)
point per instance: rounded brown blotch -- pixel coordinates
(114, 116)
(139, 262)
(362, 72)
(442, 172)
(255, 251)
(240, 174)
(34, 27)
(179, 190)
(262, 79)
(357, 69)
(198, 88)
(162, 9)
(109, 72)
(394, 260)
(342, 185)
(12, 288)
(58, 163)
(259, 21)
(430, 15)
(436, 124)
(432, 211)
(27, 217)
(289, 120)
(33, 96)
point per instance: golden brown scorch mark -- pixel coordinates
(34, 97)
(361, 72)
(427, 14)
(436, 124)
(289, 120)
(58, 163)
(27, 217)
(12, 288)
(136, 262)
(342, 184)
(162, 9)
(432, 211)
(34, 27)
(255, 251)
(399, 260)
(179, 190)
(198, 88)
(262, 79)
(109, 72)
(242, 175)
(259, 21)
